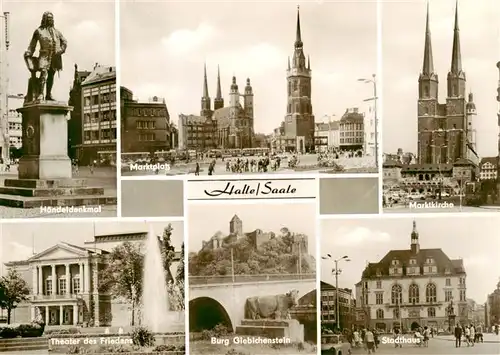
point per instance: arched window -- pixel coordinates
(380, 314)
(413, 294)
(397, 294)
(430, 293)
(431, 312)
(426, 91)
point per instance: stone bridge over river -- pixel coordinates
(221, 299)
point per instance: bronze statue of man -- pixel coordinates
(52, 47)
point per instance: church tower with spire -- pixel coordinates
(428, 90)
(206, 105)
(445, 131)
(299, 119)
(219, 100)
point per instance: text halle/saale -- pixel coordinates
(247, 189)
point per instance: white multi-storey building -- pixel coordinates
(64, 282)
(4, 84)
(15, 120)
(412, 288)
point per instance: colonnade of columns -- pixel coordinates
(39, 287)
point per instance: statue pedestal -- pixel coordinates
(45, 137)
(269, 328)
(45, 171)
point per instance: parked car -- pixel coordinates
(335, 344)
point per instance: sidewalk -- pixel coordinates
(488, 338)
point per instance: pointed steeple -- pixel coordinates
(456, 57)
(298, 37)
(218, 101)
(428, 66)
(219, 90)
(205, 82)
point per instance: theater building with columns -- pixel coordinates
(64, 284)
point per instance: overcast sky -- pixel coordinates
(88, 26)
(248, 39)
(269, 217)
(403, 33)
(17, 238)
(474, 239)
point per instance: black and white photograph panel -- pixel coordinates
(221, 95)
(84, 287)
(57, 109)
(413, 286)
(252, 279)
(441, 125)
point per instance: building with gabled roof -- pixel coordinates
(413, 287)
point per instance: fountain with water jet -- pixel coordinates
(156, 315)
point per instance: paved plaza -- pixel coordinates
(101, 177)
(308, 163)
(440, 345)
(406, 209)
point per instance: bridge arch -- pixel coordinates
(206, 313)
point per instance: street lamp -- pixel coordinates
(373, 81)
(336, 271)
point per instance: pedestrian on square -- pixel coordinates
(472, 335)
(369, 341)
(397, 342)
(467, 335)
(458, 336)
(426, 336)
(197, 170)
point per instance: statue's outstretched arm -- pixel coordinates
(32, 46)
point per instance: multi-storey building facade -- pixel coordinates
(75, 124)
(15, 120)
(4, 84)
(446, 131)
(493, 307)
(413, 287)
(99, 116)
(145, 126)
(488, 168)
(64, 283)
(352, 130)
(299, 118)
(230, 127)
(327, 136)
(346, 304)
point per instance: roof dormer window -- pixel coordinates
(429, 261)
(395, 262)
(413, 261)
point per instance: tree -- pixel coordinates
(13, 290)
(179, 280)
(179, 277)
(123, 276)
(274, 256)
(168, 252)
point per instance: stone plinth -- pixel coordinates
(268, 328)
(45, 137)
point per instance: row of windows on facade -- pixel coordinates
(378, 283)
(295, 85)
(146, 137)
(352, 134)
(102, 116)
(98, 99)
(14, 140)
(62, 288)
(145, 125)
(15, 126)
(152, 112)
(104, 134)
(351, 140)
(351, 126)
(414, 295)
(332, 298)
(396, 314)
